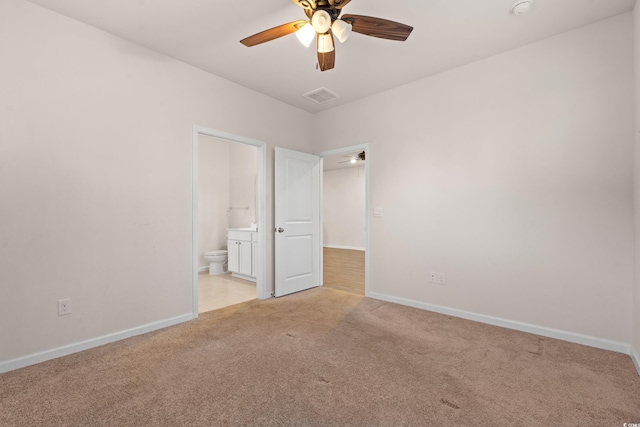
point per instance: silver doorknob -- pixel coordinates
(280, 230)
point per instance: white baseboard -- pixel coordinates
(636, 359)
(35, 358)
(243, 277)
(201, 269)
(587, 340)
(352, 248)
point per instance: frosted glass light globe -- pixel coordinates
(341, 30)
(306, 34)
(321, 21)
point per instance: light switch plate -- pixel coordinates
(377, 212)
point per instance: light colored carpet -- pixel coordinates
(323, 358)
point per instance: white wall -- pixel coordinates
(636, 298)
(214, 184)
(512, 175)
(227, 173)
(343, 206)
(95, 177)
(243, 170)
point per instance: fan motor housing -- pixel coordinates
(333, 12)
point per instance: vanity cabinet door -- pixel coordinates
(245, 259)
(233, 255)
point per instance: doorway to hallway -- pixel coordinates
(344, 219)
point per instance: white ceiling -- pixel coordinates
(447, 34)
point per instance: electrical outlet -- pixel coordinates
(64, 306)
(441, 278)
(434, 277)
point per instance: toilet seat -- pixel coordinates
(216, 253)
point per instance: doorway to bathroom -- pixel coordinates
(228, 219)
(344, 219)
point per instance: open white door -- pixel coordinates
(297, 221)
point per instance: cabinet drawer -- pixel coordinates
(240, 235)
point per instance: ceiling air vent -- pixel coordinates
(320, 96)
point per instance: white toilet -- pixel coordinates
(217, 261)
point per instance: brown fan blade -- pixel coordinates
(327, 60)
(378, 27)
(273, 33)
(338, 4)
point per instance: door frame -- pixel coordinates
(341, 151)
(261, 196)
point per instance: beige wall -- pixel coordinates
(242, 191)
(213, 195)
(343, 205)
(227, 174)
(636, 297)
(95, 177)
(512, 175)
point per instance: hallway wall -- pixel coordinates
(343, 208)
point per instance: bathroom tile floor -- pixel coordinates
(221, 291)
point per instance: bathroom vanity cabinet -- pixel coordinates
(241, 247)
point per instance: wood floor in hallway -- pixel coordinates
(344, 270)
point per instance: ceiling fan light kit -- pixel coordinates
(341, 29)
(325, 43)
(321, 21)
(325, 23)
(353, 159)
(306, 34)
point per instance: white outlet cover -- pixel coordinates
(64, 307)
(377, 212)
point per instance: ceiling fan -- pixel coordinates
(354, 158)
(324, 23)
